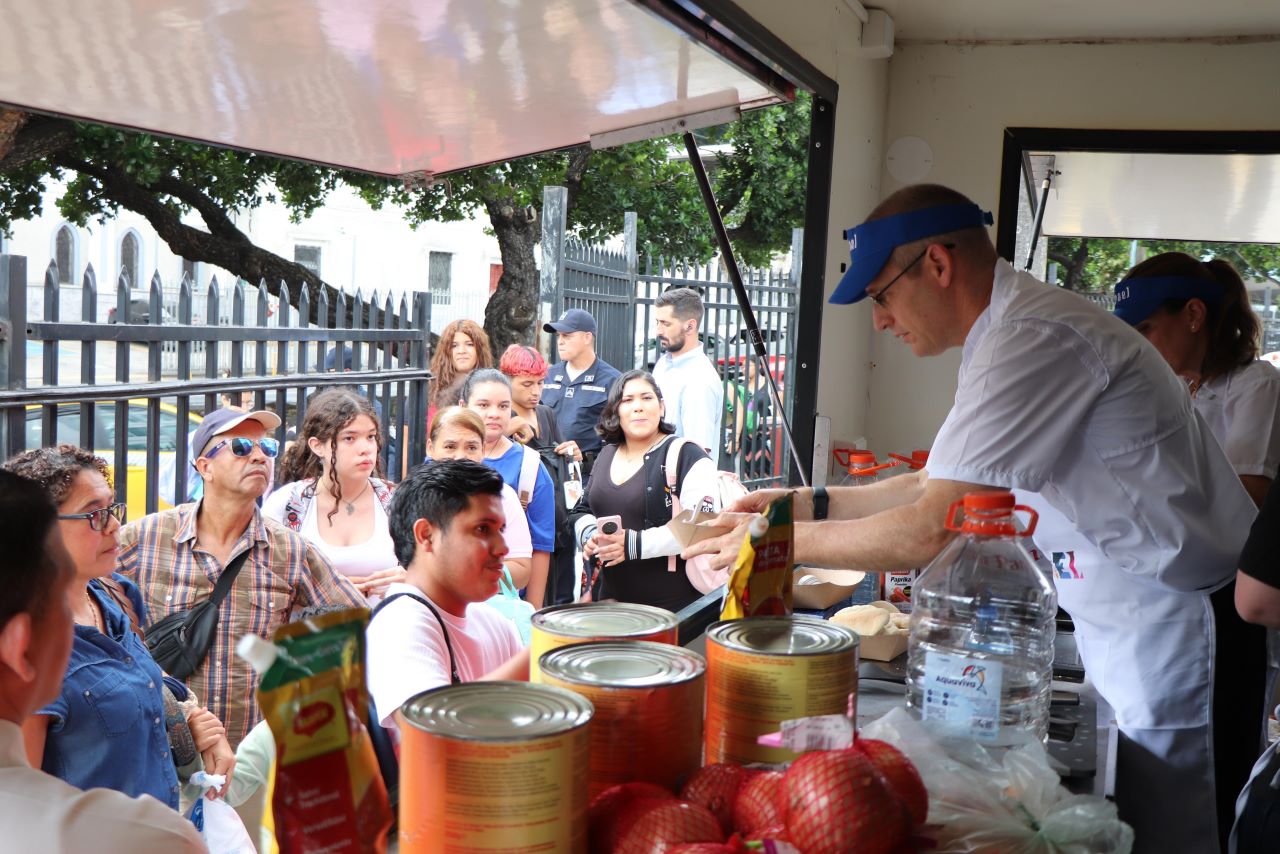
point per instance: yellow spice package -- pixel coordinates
(326, 792)
(760, 584)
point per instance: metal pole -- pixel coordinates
(1035, 229)
(740, 291)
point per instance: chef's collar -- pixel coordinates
(871, 243)
(1139, 297)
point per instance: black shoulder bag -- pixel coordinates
(180, 641)
(454, 678)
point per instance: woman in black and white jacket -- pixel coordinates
(640, 563)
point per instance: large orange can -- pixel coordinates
(648, 700)
(595, 621)
(494, 767)
(762, 671)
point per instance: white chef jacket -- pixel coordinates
(1059, 397)
(41, 813)
(693, 394)
(1242, 409)
(1141, 514)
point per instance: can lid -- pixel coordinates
(782, 636)
(497, 711)
(631, 664)
(604, 619)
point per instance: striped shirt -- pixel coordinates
(283, 573)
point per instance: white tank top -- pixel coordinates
(356, 561)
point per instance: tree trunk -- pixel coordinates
(1073, 265)
(512, 313)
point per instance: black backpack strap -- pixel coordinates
(454, 678)
(228, 578)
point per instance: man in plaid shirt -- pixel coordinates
(176, 556)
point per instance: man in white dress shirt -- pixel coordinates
(39, 812)
(1064, 403)
(691, 389)
(435, 629)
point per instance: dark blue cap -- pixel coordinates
(871, 243)
(573, 320)
(1139, 297)
(331, 359)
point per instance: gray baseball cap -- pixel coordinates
(222, 420)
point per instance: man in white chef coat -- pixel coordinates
(1064, 403)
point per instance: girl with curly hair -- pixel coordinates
(334, 493)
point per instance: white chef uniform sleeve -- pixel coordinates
(1022, 396)
(1252, 442)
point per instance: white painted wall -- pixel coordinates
(960, 99)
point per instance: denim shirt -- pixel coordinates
(107, 727)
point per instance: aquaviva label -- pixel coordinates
(963, 691)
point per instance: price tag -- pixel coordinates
(824, 732)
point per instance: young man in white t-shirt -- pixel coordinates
(434, 629)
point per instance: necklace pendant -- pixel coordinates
(351, 508)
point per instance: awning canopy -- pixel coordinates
(392, 87)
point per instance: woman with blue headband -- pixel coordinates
(1197, 314)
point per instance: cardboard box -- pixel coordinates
(882, 647)
(828, 586)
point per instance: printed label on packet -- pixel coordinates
(963, 690)
(822, 732)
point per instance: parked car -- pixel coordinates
(140, 312)
(104, 443)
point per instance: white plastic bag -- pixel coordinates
(1007, 803)
(219, 824)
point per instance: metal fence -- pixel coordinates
(620, 294)
(135, 389)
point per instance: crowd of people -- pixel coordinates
(506, 497)
(559, 481)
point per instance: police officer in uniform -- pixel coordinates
(577, 385)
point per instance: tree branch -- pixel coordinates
(210, 211)
(32, 138)
(236, 254)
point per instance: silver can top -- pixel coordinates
(497, 711)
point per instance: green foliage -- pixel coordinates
(1106, 261)
(759, 179)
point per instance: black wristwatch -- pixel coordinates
(821, 503)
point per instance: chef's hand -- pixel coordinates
(607, 549)
(756, 502)
(376, 583)
(219, 759)
(724, 548)
(570, 449)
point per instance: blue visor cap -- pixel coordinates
(871, 243)
(1139, 297)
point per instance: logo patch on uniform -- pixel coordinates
(568, 393)
(1064, 564)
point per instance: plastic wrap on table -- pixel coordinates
(1000, 802)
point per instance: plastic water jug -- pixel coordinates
(860, 467)
(980, 656)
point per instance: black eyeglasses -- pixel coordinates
(98, 518)
(878, 297)
(242, 447)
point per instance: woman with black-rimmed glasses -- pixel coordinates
(119, 721)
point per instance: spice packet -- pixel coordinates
(760, 584)
(326, 792)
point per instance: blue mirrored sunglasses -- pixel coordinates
(242, 447)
